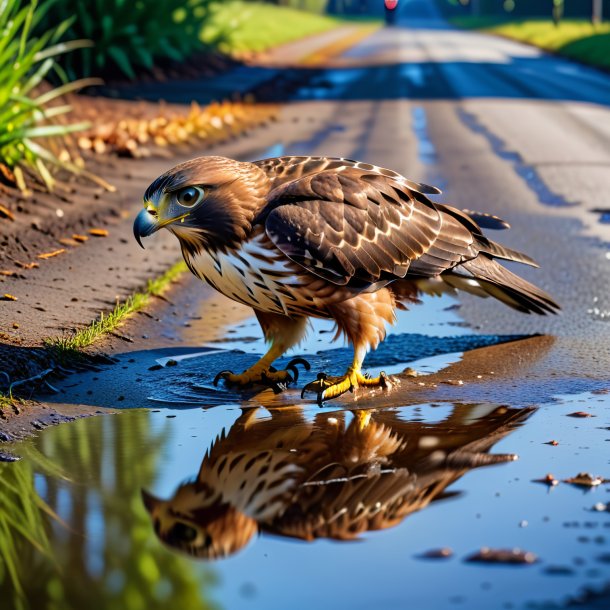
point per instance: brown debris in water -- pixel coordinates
(508, 556)
(442, 553)
(549, 480)
(580, 414)
(585, 479)
(553, 443)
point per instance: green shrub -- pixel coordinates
(129, 35)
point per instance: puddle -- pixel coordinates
(297, 485)
(525, 171)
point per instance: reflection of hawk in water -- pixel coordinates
(327, 478)
(295, 237)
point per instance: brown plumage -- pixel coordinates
(328, 478)
(296, 237)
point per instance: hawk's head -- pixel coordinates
(208, 202)
(202, 526)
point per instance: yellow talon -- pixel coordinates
(262, 374)
(327, 388)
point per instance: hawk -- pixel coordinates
(301, 237)
(334, 476)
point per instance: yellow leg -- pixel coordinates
(327, 387)
(283, 333)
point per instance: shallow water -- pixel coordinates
(327, 507)
(425, 464)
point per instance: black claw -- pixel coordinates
(295, 371)
(221, 375)
(302, 361)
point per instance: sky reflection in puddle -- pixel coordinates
(91, 474)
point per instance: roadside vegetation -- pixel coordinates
(237, 26)
(66, 347)
(31, 111)
(577, 39)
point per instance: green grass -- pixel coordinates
(69, 346)
(27, 113)
(252, 26)
(574, 38)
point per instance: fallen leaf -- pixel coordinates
(98, 232)
(46, 255)
(66, 241)
(7, 273)
(7, 174)
(9, 297)
(6, 213)
(580, 414)
(584, 479)
(80, 238)
(15, 325)
(514, 556)
(27, 265)
(554, 443)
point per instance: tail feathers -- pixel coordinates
(498, 251)
(514, 291)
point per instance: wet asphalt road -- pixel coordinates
(501, 127)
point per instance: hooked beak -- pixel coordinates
(144, 225)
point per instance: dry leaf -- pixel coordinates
(51, 254)
(6, 213)
(66, 241)
(27, 265)
(79, 238)
(9, 297)
(580, 414)
(98, 232)
(7, 273)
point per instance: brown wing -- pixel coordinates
(285, 169)
(357, 226)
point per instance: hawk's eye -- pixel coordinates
(189, 196)
(181, 532)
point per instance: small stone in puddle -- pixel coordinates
(553, 443)
(584, 479)
(600, 507)
(155, 367)
(171, 363)
(580, 414)
(549, 480)
(442, 553)
(511, 556)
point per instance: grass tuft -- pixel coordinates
(69, 346)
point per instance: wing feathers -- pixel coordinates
(353, 225)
